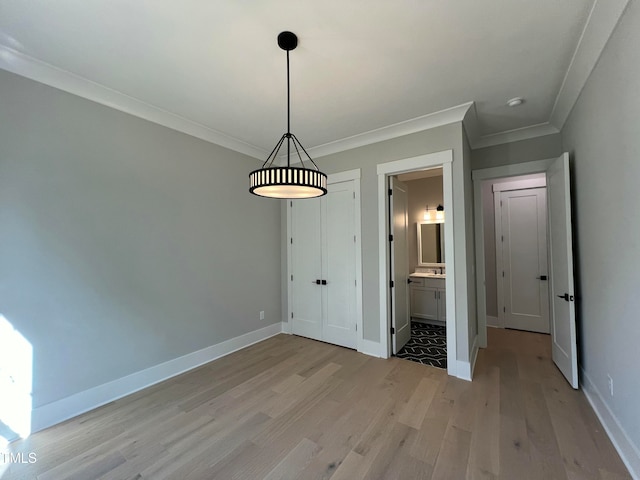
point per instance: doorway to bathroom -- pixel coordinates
(418, 222)
(396, 233)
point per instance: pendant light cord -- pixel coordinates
(288, 114)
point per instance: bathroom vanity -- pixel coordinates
(427, 283)
(428, 297)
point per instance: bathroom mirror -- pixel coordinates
(431, 244)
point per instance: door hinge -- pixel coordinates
(393, 331)
(500, 202)
(291, 314)
(390, 192)
(503, 274)
(291, 240)
(391, 283)
(354, 239)
(354, 195)
(503, 238)
(356, 327)
(504, 309)
(292, 278)
(391, 238)
(291, 203)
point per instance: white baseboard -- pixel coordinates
(492, 321)
(465, 369)
(629, 452)
(52, 413)
(371, 348)
(286, 327)
(474, 353)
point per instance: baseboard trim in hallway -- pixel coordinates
(626, 449)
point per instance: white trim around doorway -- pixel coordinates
(478, 176)
(439, 159)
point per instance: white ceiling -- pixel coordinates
(360, 65)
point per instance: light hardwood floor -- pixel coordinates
(290, 407)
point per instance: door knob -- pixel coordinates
(542, 277)
(566, 296)
(409, 280)
(317, 282)
(324, 282)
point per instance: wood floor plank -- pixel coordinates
(544, 450)
(484, 454)
(419, 402)
(295, 461)
(452, 460)
(290, 407)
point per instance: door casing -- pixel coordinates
(442, 159)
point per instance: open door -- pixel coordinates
(563, 313)
(399, 211)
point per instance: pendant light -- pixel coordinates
(288, 182)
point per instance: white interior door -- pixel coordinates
(306, 286)
(523, 239)
(400, 264)
(563, 316)
(339, 265)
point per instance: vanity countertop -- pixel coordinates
(428, 275)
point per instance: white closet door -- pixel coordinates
(524, 257)
(338, 264)
(306, 267)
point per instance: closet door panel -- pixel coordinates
(338, 264)
(306, 268)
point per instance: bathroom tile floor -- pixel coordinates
(428, 345)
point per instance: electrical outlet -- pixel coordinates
(610, 383)
(261, 314)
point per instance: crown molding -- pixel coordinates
(515, 135)
(602, 21)
(29, 67)
(476, 141)
(425, 122)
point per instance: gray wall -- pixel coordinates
(422, 192)
(602, 135)
(448, 137)
(539, 148)
(123, 244)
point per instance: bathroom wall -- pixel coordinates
(422, 192)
